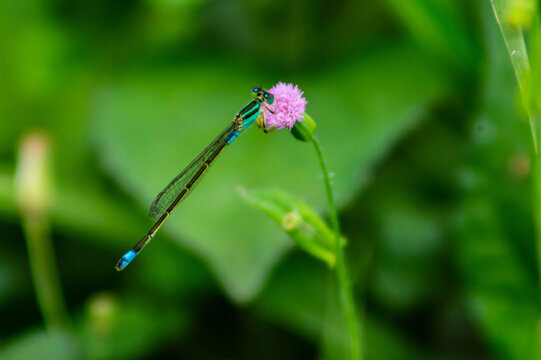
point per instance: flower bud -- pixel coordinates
(102, 308)
(304, 130)
(32, 177)
(303, 225)
(291, 221)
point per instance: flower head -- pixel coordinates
(288, 107)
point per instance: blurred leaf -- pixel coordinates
(38, 344)
(115, 328)
(408, 259)
(7, 196)
(44, 84)
(162, 25)
(535, 61)
(514, 40)
(502, 296)
(439, 27)
(516, 46)
(360, 109)
(11, 278)
(297, 219)
(495, 247)
(168, 270)
(301, 295)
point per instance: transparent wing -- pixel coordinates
(190, 174)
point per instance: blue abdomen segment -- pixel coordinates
(232, 136)
(126, 259)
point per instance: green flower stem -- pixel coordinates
(536, 163)
(42, 262)
(344, 284)
(32, 188)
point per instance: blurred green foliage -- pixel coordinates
(416, 107)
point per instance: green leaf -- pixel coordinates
(297, 219)
(301, 296)
(516, 46)
(500, 292)
(408, 267)
(147, 127)
(495, 238)
(439, 26)
(39, 344)
(114, 328)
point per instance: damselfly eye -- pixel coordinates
(269, 98)
(256, 90)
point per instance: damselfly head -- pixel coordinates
(269, 98)
(263, 94)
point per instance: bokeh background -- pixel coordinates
(420, 122)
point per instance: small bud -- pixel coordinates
(101, 311)
(303, 225)
(304, 130)
(291, 221)
(32, 177)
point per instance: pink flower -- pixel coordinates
(289, 106)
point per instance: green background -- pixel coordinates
(418, 116)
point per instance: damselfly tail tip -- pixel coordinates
(121, 264)
(125, 260)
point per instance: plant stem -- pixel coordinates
(536, 176)
(40, 253)
(344, 285)
(33, 190)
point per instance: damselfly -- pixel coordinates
(180, 187)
